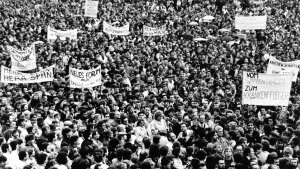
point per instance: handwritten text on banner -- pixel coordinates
(266, 89)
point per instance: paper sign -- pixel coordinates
(112, 30)
(91, 9)
(12, 76)
(22, 60)
(53, 34)
(278, 67)
(150, 31)
(250, 22)
(266, 89)
(85, 78)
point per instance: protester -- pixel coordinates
(169, 101)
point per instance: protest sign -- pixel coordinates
(22, 60)
(13, 76)
(278, 67)
(91, 8)
(250, 22)
(85, 78)
(257, 2)
(266, 89)
(112, 30)
(53, 34)
(150, 31)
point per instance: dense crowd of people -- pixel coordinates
(165, 102)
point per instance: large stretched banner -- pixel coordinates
(12, 76)
(150, 31)
(266, 89)
(278, 67)
(91, 8)
(250, 22)
(53, 34)
(112, 30)
(85, 78)
(22, 60)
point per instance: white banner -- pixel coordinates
(150, 31)
(257, 2)
(112, 30)
(91, 8)
(85, 78)
(53, 34)
(265, 89)
(278, 67)
(250, 22)
(22, 60)
(12, 76)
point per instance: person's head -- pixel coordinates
(271, 159)
(218, 148)
(288, 151)
(163, 151)
(98, 157)
(221, 163)
(86, 134)
(41, 158)
(228, 152)
(61, 158)
(3, 161)
(176, 152)
(248, 151)
(166, 163)
(158, 116)
(66, 132)
(219, 131)
(5, 148)
(23, 155)
(265, 145)
(257, 147)
(13, 144)
(183, 127)
(239, 149)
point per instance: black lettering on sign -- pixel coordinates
(252, 75)
(251, 88)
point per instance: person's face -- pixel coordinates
(117, 115)
(96, 136)
(173, 137)
(13, 125)
(220, 132)
(250, 126)
(221, 164)
(239, 149)
(251, 151)
(202, 119)
(188, 160)
(228, 153)
(263, 112)
(51, 114)
(219, 149)
(4, 100)
(183, 128)
(69, 134)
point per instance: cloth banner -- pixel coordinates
(53, 34)
(257, 2)
(91, 8)
(250, 22)
(150, 31)
(13, 76)
(85, 78)
(266, 89)
(112, 30)
(22, 60)
(278, 67)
